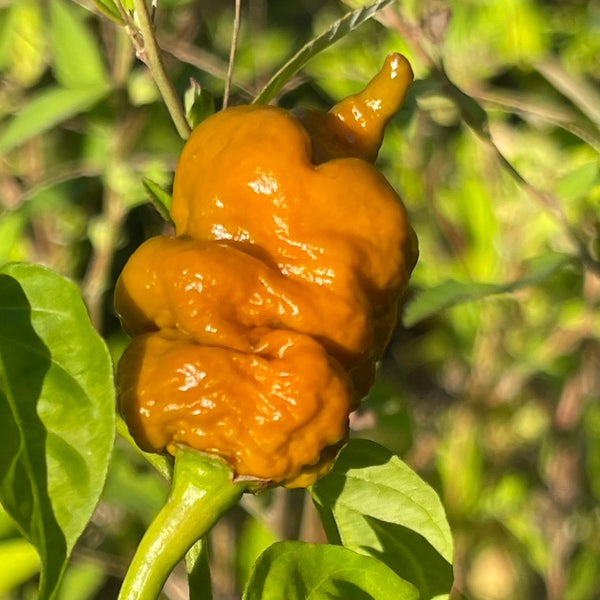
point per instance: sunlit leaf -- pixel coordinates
(82, 581)
(47, 109)
(163, 463)
(76, 55)
(56, 412)
(22, 45)
(19, 560)
(369, 480)
(579, 182)
(109, 8)
(301, 571)
(334, 33)
(374, 504)
(451, 292)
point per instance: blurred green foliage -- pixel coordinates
(492, 394)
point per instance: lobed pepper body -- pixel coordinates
(257, 328)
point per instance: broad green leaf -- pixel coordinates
(50, 107)
(407, 553)
(367, 480)
(452, 292)
(19, 560)
(77, 59)
(56, 413)
(337, 31)
(160, 198)
(301, 571)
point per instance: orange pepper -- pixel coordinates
(257, 328)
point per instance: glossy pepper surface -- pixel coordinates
(256, 329)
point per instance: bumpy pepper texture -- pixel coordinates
(257, 328)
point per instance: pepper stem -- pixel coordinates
(202, 491)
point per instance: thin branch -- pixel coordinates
(148, 52)
(234, 40)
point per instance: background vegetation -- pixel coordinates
(490, 386)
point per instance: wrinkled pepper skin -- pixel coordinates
(256, 329)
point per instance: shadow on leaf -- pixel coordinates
(24, 362)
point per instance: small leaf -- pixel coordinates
(163, 463)
(56, 413)
(300, 571)
(451, 292)
(50, 107)
(77, 58)
(199, 103)
(160, 198)
(336, 32)
(109, 8)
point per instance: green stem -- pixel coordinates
(202, 490)
(153, 59)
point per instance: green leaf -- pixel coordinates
(12, 225)
(254, 538)
(380, 507)
(297, 571)
(452, 292)
(77, 58)
(109, 8)
(198, 570)
(19, 560)
(22, 44)
(50, 107)
(406, 552)
(56, 413)
(370, 480)
(163, 463)
(337, 31)
(160, 198)
(198, 102)
(578, 182)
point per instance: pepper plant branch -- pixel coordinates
(148, 52)
(234, 39)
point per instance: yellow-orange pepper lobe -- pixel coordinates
(257, 328)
